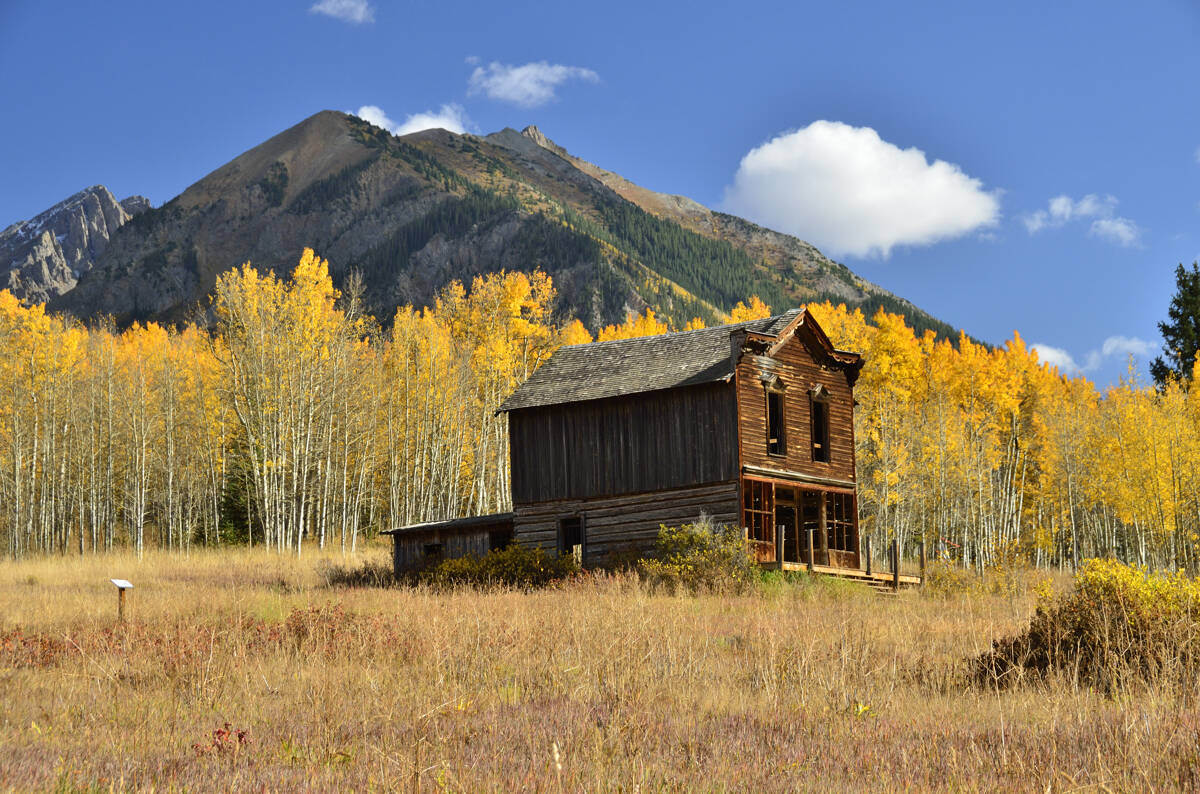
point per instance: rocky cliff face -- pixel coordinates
(45, 257)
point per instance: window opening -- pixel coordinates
(776, 429)
(758, 511)
(820, 425)
(570, 534)
(839, 521)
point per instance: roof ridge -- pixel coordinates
(728, 326)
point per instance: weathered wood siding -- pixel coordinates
(408, 547)
(799, 371)
(654, 441)
(618, 525)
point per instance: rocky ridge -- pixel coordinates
(47, 255)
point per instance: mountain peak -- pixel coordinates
(534, 134)
(537, 136)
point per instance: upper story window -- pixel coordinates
(776, 421)
(819, 404)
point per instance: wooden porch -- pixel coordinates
(880, 580)
(844, 565)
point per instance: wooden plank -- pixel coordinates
(645, 442)
(626, 522)
(853, 573)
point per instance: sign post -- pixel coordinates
(122, 586)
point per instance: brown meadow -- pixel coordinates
(242, 671)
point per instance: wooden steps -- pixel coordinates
(880, 581)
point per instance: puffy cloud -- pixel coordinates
(1121, 231)
(450, 117)
(1101, 210)
(1113, 346)
(1125, 346)
(850, 192)
(1057, 358)
(354, 11)
(529, 85)
(375, 115)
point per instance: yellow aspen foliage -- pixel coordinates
(754, 310)
(635, 325)
(576, 334)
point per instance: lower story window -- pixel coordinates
(758, 510)
(570, 534)
(839, 521)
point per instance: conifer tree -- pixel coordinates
(1181, 333)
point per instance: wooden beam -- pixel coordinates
(896, 564)
(823, 527)
(810, 550)
(797, 477)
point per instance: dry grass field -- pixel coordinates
(240, 671)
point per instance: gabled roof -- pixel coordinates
(630, 366)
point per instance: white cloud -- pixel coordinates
(1106, 224)
(450, 117)
(1057, 358)
(850, 192)
(375, 115)
(1125, 346)
(529, 85)
(1113, 346)
(1121, 231)
(355, 11)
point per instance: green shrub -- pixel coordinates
(369, 573)
(945, 578)
(700, 557)
(513, 566)
(1118, 625)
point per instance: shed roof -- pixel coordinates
(467, 524)
(630, 366)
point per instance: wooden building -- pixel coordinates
(750, 424)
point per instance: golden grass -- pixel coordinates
(597, 686)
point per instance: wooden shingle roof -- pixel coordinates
(630, 366)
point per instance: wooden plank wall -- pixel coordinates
(799, 371)
(617, 525)
(645, 442)
(408, 548)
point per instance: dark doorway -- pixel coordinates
(810, 512)
(786, 514)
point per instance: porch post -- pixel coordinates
(922, 560)
(822, 528)
(779, 545)
(810, 550)
(896, 564)
(868, 540)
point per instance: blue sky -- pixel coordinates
(1006, 166)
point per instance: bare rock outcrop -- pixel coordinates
(46, 256)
